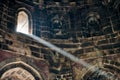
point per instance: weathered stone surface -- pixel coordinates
(10, 57)
(90, 32)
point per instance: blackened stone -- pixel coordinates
(86, 44)
(118, 50)
(103, 47)
(80, 51)
(116, 45)
(35, 54)
(102, 42)
(111, 51)
(9, 42)
(5, 47)
(34, 49)
(86, 50)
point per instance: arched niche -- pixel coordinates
(105, 72)
(19, 71)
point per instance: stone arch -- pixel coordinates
(28, 15)
(19, 66)
(107, 71)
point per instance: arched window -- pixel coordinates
(23, 23)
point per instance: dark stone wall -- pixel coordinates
(87, 29)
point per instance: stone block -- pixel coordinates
(114, 35)
(45, 51)
(79, 51)
(63, 45)
(116, 45)
(113, 40)
(107, 46)
(87, 50)
(87, 44)
(111, 52)
(117, 50)
(36, 49)
(0, 45)
(35, 54)
(116, 27)
(105, 41)
(8, 42)
(5, 47)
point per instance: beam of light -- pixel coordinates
(64, 53)
(70, 56)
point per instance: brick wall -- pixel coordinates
(100, 51)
